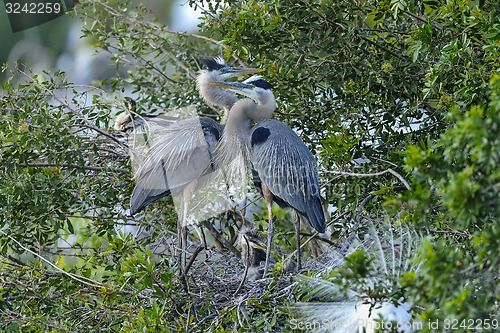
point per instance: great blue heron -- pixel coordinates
(283, 168)
(184, 151)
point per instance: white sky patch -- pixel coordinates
(184, 17)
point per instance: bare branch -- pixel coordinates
(423, 19)
(391, 171)
(81, 279)
(73, 166)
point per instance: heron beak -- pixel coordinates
(237, 71)
(258, 246)
(231, 85)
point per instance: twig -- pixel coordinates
(247, 265)
(75, 277)
(243, 310)
(193, 258)
(242, 280)
(314, 236)
(307, 234)
(422, 19)
(391, 171)
(452, 232)
(73, 166)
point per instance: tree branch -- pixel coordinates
(151, 40)
(73, 166)
(392, 172)
(365, 39)
(81, 279)
(423, 19)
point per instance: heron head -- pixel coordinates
(124, 118)
(130, 103)
(252, 87)
(249, 238)
(224, 71)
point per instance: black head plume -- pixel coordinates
(258, 81)
(214, 64)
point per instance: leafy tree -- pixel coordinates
(384, 93)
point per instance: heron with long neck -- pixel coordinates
(184, 151)
(218, 70)
(283, 168)
(183, 154)
(233, 150)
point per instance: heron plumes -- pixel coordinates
(282, 166)
(392, 248)
(200, 148)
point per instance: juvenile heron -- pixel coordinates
(283, 168)
(253, 254)
(132, 123)
(140, 130)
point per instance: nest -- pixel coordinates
(218, 276)
(214, 280)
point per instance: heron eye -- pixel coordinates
(253, 86)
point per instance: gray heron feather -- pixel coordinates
(287, 168)
(282, 165)
(184, 151)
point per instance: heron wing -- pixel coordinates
(284, 164)
(181, 154)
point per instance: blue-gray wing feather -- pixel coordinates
(283, 163)
(182, 154)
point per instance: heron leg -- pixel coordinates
(178, 252)
(181, 236)
(200, 248)
(296, 222)
(270, 231)
(184, 235)
(270, 235)
(181, 245)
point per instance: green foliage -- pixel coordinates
(461, 167)
(410, 85)
(458, 183)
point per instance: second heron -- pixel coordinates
(283, 168)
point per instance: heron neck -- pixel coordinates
(236, 137)
(213, 95)
(247, 110)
